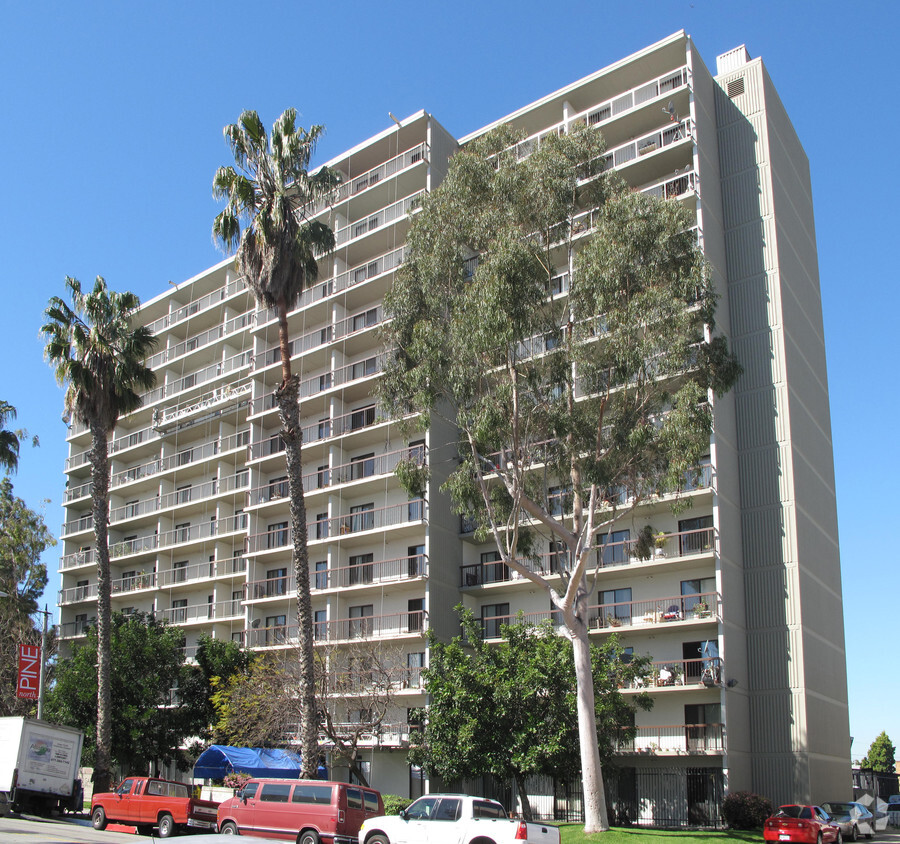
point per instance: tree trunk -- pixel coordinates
(100, 477)
(287, 396)
(595, 818)
(523, 797)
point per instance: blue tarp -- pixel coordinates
(218, 760)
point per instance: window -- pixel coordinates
(184, 457)
(276, 631)
(321, 525)
(559, 501)
(415, 662)
(320, 794)
(275, 792)
(320, 625)
(415, 560)
(415, 510)
(702, 724)
(492, 617)
(323, 477)
(361, 620)
(276, 582)
(131, 508)
(324, 381)
(493, 569)
(415, 609)
(183, 494)
(81, 590)
(615, 607)
(179, 610)
(705, 586)
(416, 452)
(614, 551)
(483, 809)
(324, 429)
(701, 661)
(321, 568)
(449, 809)
(277, 535)
(362, 417)
(362, 466)
(696, 535)
(182, 532)
(179, 571)
(278, 488)
(362, 369)
(362, 517)
(423, 809)
(325, 335)
(361, 569)
(557, 557)
(128, 580)
(364, 320)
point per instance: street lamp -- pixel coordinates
(45, 612)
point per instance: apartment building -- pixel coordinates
(739, 606)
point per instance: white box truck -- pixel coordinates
(39, 764)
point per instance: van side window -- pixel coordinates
(312, 794)
(354, 798)
(249, 791)
(275, 792)
(371, 799)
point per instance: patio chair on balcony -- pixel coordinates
(673, 613)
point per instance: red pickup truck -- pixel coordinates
(147, 802)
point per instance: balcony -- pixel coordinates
(208, 405)
(700, 607)
(378, 735)
(403, 679)
(200, 572)
(195, 307)
(675, 740)
(133, 583)
(201, 613)
(388, 214)
(77, 594)
(74, 629)
(200, 341)
(324, 429)
(376, 573)
(342, 630)
(198, 378)
(703, 672)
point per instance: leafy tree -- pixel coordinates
(507, 709)
(99, 355)
(23, 538)
(602, 394)
(881, 756)
(272, 195)
(147, 663)
(216, 660)
(9, 440)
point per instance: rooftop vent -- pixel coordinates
(732, 60)
(735, 87)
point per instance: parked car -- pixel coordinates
(454, 819)
(806, 824)
(305, 811)
(854, 819)
(893, 814)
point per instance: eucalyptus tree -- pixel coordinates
(268, 219)
(99, 354)
(572, 409)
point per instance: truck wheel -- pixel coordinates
(309, 836)
(98, 818)
(229, 828)
(166, 826)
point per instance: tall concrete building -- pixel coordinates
(740, 608)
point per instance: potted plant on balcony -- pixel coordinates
(660, 540)
(701, 609)
(612, 621)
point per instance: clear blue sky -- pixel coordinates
(112, 130)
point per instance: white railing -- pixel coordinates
(198, 305)
(380, 218)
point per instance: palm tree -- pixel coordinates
(272, 194)
(99, 356)
(9, 440)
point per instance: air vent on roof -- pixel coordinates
(735, 87)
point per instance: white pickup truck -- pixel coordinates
(454, 819)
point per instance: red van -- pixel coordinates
(305, 811)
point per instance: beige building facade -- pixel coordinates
(740, 608)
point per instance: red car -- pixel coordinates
(806, 824)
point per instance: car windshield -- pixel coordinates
(793, 812)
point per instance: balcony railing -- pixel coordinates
(201, 571)
(362, 574)
(210, 402)
(280, 536)
(134, 582)
(351, 187)
(340, 630)
(357, 682)
(202, 612)
(76, 594)
(199, 341)
(182, 458)
(198, 305)
(355, 420)
(73, 629)
(675, 739)
(704, 606)
(380, 218)
(702, 671)
(198, 378)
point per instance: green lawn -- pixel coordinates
(574, 834)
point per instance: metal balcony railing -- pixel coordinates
(701, 606)
(199, 341)
(197, 305)
(702, 671)
(342, 630)
(675, 739)
(202, 612)
(380, 218)
(198, 378)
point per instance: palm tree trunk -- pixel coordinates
(287, 396)
(100, 510)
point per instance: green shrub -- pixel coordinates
(745, 810)
(393, 804)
